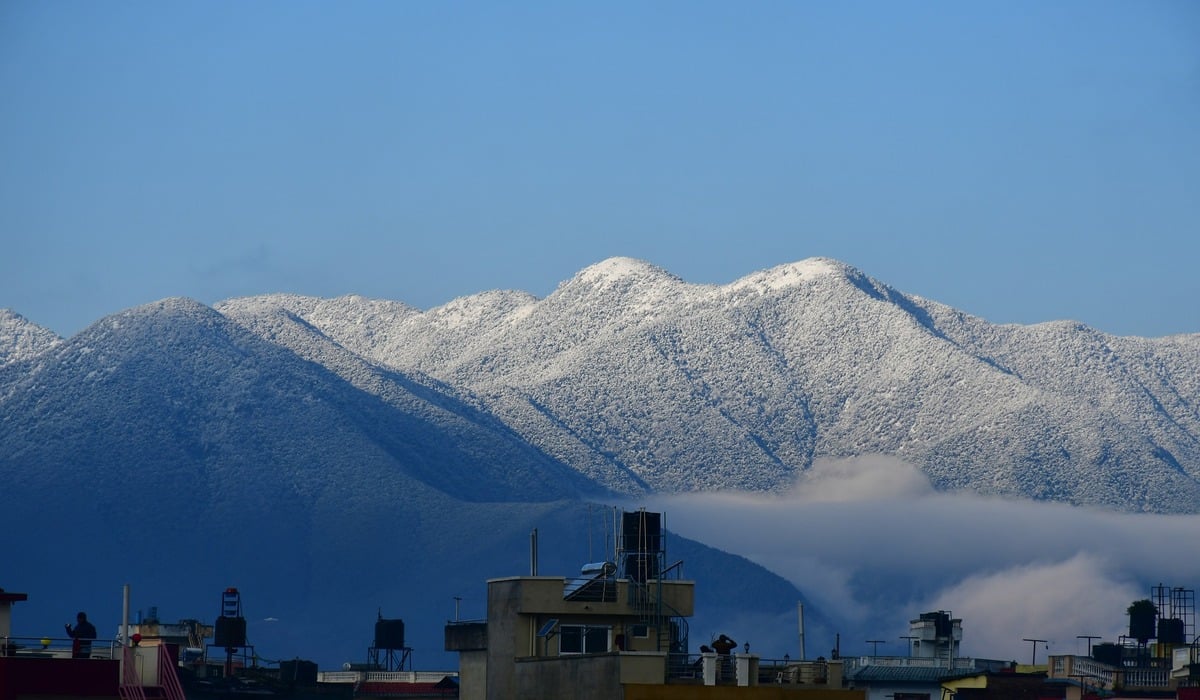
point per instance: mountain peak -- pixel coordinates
(617, 269)
(20, 337)
(793, 274)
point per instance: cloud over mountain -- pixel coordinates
(875, 552)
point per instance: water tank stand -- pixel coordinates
(390, 659)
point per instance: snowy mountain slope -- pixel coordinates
(642, 381)
(176, 394)
(21, 338)
(172, 447)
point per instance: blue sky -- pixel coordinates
(1022, 161)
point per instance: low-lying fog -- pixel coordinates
(871, 545)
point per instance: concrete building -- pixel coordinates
(616, 632)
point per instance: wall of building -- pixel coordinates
(582, 677)
(472, 675)
(508, 638)
(643, 667)
(518, 607)
(728, 692)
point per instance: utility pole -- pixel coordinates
(1035, 643)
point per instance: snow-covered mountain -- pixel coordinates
(175, 449)
(643, 382)
(21, 338)
(334, 456)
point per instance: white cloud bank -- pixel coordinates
(872, 545)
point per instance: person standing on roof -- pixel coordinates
(83, 634)
(723, 645)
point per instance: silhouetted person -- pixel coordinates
(83, 634)
(723, 645)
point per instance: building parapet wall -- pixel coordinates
(466, 636)
(583, 677)
(958, 663)
(544, 595)
(1085, 669)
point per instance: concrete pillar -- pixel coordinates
(747, 669)
(708, 662)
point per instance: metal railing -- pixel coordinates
(131, 679)
(691, 666)
(55, 647)
(168, 674)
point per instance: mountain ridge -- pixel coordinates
(798, 320)
(329, 456)
(642, 382)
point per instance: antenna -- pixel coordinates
(1088, 637)
(616, 539)
(1035, 643)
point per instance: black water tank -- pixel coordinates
(1107, 653)
(942, 627)
(230, 632)
(389, 634)
(642, 531)
(1141, 620)
(1170, 630)
(298, 671)
(641, 567)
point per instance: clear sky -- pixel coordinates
(1022, 161)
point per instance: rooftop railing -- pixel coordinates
(56, 647)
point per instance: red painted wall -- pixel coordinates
(70, 677)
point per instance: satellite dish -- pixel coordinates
(548, 628)
(346, 666)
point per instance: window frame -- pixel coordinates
(581, 633)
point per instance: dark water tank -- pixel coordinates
(298, 671)
(942, 627)
(230, 632)
(1107, 653)
(642, 531)
(641, 567)
(389, 634)
(1170, 630)
(1141, 620)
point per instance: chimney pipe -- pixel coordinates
(800, 620)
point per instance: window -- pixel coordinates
(583, 639)
(640, 631)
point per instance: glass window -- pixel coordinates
(583, 639)
(570, 639)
